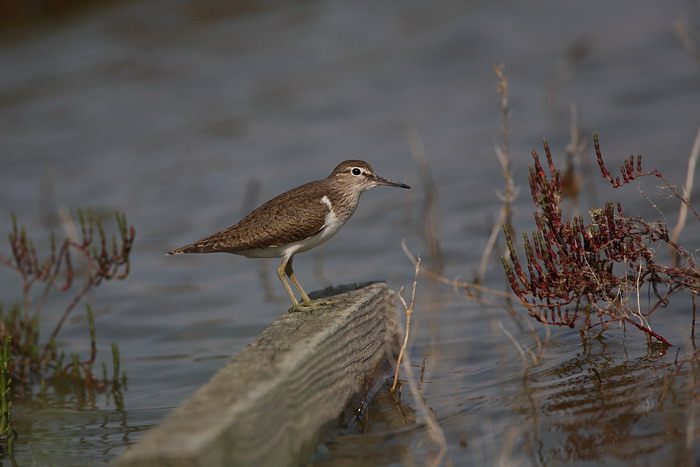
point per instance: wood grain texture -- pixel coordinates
(267, 406)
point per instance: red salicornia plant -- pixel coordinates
(595, 270)
(75, 264)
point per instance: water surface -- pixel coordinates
(185, 114)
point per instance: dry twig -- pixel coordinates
(687, 190)
(409, 312)
(505, 215)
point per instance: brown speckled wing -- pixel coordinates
(292, 216)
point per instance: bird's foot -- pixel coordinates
(312, 305)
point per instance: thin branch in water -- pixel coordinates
(503, 91)
(564, 69)
(88, 285)
(68, 224)
(687, 190)
(429, 230)
(680, 28)
(409, 312)
(571, 184)
(692, 327)
(505, 160)
(518, 347)
(434, 429)
(474, 292)
(422, 372)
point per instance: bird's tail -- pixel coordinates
(202, 246)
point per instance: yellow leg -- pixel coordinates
(281, 274)
(290, 273)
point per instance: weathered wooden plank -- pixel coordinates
(267, 406)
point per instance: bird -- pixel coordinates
(296, 221)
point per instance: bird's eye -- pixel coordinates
(356, 171)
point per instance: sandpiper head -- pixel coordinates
(361, 176)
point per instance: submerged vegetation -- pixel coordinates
(6, 430)
(599, 272)
(595, 270)
(75, 266)
(576, 272)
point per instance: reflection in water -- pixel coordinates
(61, 422)
(374, 437)
(600, 405)
(164, 109)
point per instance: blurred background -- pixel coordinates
(187, 114)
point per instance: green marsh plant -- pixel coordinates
(73, 266)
